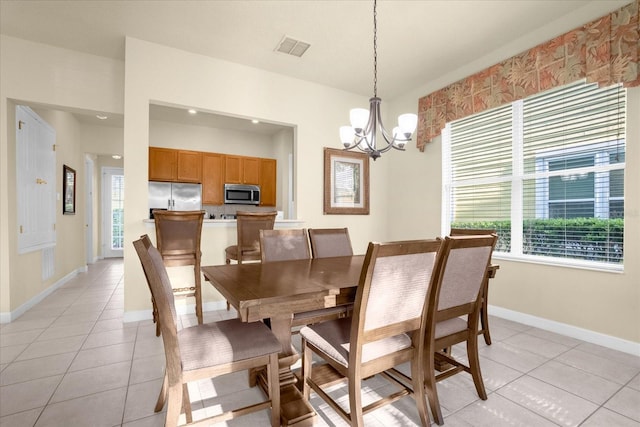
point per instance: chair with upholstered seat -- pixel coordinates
(327, 243)
(292, 244)
(206, 351)
(178, 235)
(453, 313)
(386, 329)
(330, 242)
(248, 226)
(484, 312)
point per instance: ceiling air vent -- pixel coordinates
(292, 46)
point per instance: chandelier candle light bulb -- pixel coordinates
(365, 124)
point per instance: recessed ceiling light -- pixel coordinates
(101, 117)
(192, 111)
(116, 156)
(255, 122)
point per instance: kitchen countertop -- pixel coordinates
(232, 222)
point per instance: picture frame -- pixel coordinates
(68, 190)
(346, 182)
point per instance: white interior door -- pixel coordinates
(112, 212)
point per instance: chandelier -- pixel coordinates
(365, 124)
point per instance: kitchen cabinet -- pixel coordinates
(189, 166)
(242, 170)
(213, 170)
(167, 164)
(213, 179)
(268, 179)
(163, 164)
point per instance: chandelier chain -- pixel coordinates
(375, 49)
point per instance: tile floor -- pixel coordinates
(70, 361)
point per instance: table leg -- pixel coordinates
(294, 408)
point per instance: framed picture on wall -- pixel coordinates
(68, 190)
(346, 182)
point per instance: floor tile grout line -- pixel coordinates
(70, 364)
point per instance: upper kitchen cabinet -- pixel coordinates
(242, 170)
(163, 164)
(212, 179)
(189, 166)
(268, 178)
(166, 164)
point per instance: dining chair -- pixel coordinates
(330, 242)
(484, 313)
(248, 226)
(293, 244)
(206, 350)
(178, 235)
(386, 329)
(284, 245)
(156, 317)
(453, 312)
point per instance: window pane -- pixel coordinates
(117, 212)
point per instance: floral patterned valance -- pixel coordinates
(605, 51)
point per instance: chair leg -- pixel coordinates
(174, 405)
(273, 373)
(484, 315)
(474, 365)
(198, 293)
(430, 388)
(163, 394)
(417, 376)
(355, 402)
(186, 403)
(305, 372)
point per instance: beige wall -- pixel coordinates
(155, 73)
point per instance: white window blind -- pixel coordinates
(547, 173)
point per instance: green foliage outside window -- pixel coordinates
(591, 239)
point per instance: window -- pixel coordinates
(547, 172)
(117, 212)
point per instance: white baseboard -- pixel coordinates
(568, 330)
(6, 317)
(139, 315)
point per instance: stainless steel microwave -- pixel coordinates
(241, 194)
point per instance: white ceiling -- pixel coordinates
(418, 40)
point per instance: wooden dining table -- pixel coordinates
(278, 290)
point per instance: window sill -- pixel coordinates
(556, 262)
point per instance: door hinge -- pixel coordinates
(21, 231)
(54, 147)
(54, 226)
(20, 123)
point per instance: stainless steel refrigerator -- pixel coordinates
(175, 196)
